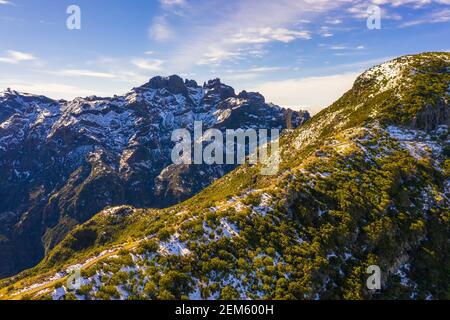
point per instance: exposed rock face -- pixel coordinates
(432, 116)
(174, 84)
(61, 162)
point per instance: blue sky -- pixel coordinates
(297, 53)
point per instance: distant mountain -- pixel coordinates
(366, 182)
(61, 162)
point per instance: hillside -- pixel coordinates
(364, 182)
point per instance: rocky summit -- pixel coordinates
(61, 162)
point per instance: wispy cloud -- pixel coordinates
(434, 17)
(147, 64)
(216, 54)
(214, 31)
(338, 47)
(85, 73)
(235, 28)
(334, 21)
(341, 47)
(171, 3)
(413, 3)
(325, 32)
(358, 8)
(260, 69)
(268, 34)
(160, 30)
(14, 57)
(249, 73)
(6, 2)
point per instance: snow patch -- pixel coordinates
(174, 247)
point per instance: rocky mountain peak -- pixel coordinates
(191, 83)
(216, 87)
(174, 84)
(253, 96)
(410, 91)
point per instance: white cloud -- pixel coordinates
(171, 3)
(312, 93)
(103, 60)
(268, 34)
(248, 74)
(341, 50)
(215, 55)
(358, 9)
(334, 21)
(261, 69)
(435, 17)
(160, 30)
(85, 73)
(325, 32)
(223, 31)
(14, 57)
(214, 32)
(414, 3)
(338, 47)
(147, 64)
(5, 2)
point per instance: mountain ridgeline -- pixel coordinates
(61, 162)
(366, 182)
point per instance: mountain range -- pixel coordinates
(61, 162)
(366, 182)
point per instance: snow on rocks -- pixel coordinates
(309, 134)
(387, 75)
(417, 142)
(58, 293)
(229, 229)
(264, 206)
(174, 247)
(196, 295)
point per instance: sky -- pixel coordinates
(298, 54)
